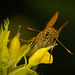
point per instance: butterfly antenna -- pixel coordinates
(64, 46)
(25, 40)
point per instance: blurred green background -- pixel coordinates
(35, 14)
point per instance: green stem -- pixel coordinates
(12, 67)
(29, 66)
(5, 71)
(25, 60)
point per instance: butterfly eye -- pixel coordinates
(47, 33)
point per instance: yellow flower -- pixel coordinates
(4, 33)
(38, 56)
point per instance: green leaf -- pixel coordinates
(23, 71)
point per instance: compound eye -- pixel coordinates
(47, 33)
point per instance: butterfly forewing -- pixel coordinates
(52, 20)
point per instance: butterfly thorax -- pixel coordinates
(47, 37)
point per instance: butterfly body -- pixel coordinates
(43, 39)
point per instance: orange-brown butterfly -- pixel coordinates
(48, 36)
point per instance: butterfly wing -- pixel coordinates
(52, 20)
(59, 30)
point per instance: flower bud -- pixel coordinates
(14, 47)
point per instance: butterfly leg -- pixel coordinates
(51, 52)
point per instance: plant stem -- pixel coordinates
(29, 66)
(5, 71)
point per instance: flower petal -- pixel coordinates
(47, 59)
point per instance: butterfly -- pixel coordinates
(47, 37)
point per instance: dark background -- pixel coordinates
(35, 14)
